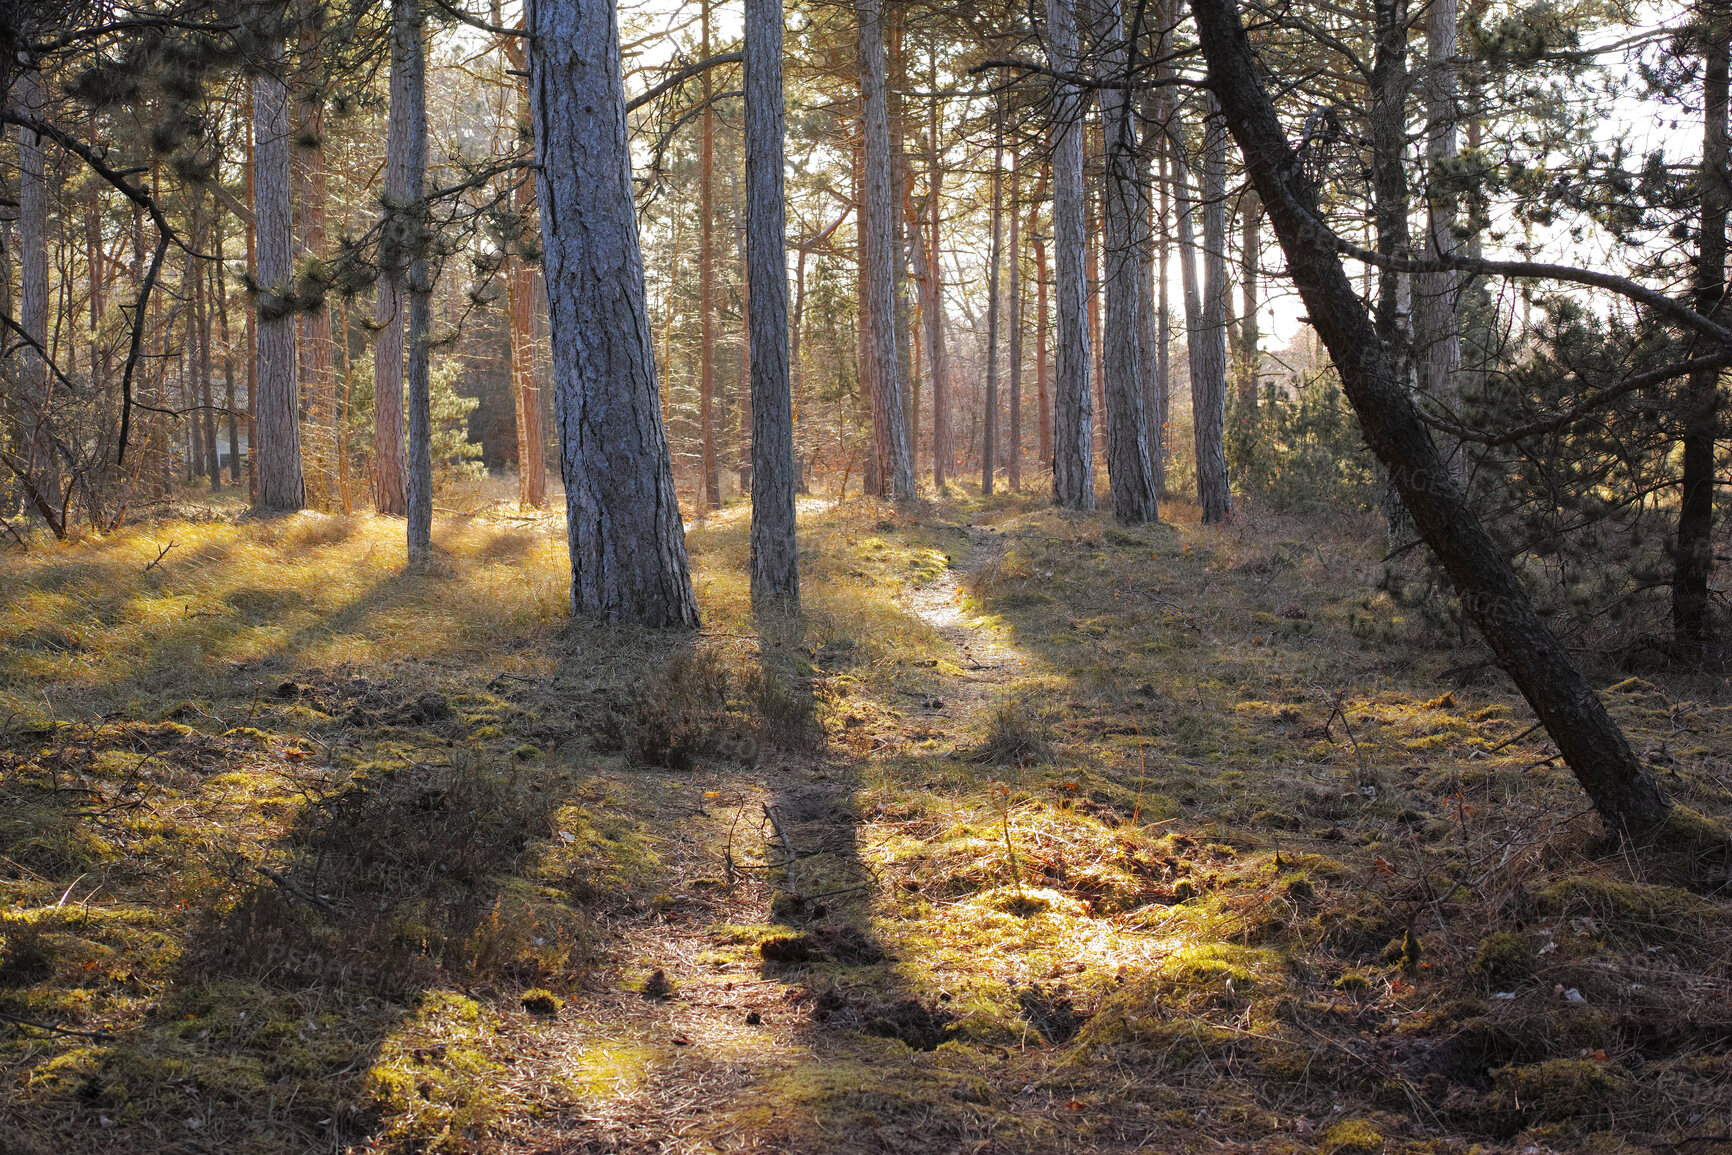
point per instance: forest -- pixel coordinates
(873, 576)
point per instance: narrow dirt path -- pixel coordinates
(675, 1044)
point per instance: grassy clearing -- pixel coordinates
(301, 853)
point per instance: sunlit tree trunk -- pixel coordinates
(943, 436)
(35, 386)
(989, 437)
(1013, 455)
(712, 483)
(401, 239)
(1073, 437)
(775, 557)
(628, 553)
(278, 449)
(878, 223)
(520, 291)
(313, 353)
(1129, 473)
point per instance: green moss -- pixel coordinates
(1352, 1137)
(1503, 960)
(1560, 1090)
(1636, 913)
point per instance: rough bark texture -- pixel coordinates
(878, 221)
(1205, 311)
(1437, 331)
(390, 485)
(775, 557)
(1623, 792)
(1694, 556)
(278, 449)
(628, 550)
(313, 354)
(1129, 472)
(1073, 413)
(1250, 220)
(943, 439)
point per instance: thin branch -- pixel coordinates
(681, 77)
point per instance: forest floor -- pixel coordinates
(1034, 834)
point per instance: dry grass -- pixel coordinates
(1228, 857)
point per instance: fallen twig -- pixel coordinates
(160, 554)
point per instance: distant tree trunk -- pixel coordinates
(1206, 326)
(207, 407)
(520, 291)
(219, 287)
(1250, 218)
(1163, 307)
(878, 223)
(1013, 457)
(775, 556)
(1148, 333)
(989, 439)
(943, 435)
(36, 389)
(1073, 436)
(401, 240)
(1042, 403)
(1694, 554)
(313, 355)
(1129, 473)
(251, 315)
(278, 449)
(1626, 796)
(712, 486)
(628, 552)
(872, 472)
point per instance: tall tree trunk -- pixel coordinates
(878, 223)
(1073, 435)
(1250, 220)
(1694, 554)
(207, 407)
(36, 389)
(712, 487)
(989, 438)
(1013, 456)
(1206, 313)
(313, 356)
(1042, 403)
(872, 471)
(409, 64)
(525, 382)
(278, 448)
(628, 551)
(401, 240)
(1163, 305)
(220, 289)
(775, 556)
(250, 316)
(1626, 796)
(943, 435)
(1149, 337)
(1129, 472)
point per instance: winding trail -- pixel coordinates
(690, 1062)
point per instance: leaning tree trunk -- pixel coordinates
(1623, 792)
(1073, 435)
(877, 220)
(775, 557)
(628, 550)
(278, 452)
(1694, 554)
(1129, 472)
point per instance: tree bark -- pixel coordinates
(313, 355)
(628, 552)
(1129, 473)
(878, 222)
(1438, 329)
(1205, 312)
(989, 438)
(1694, 552)
(1073, 435)
(1625, 795)
(520, 291)
(278, 450)
(775, 555)
(1013, 454)
(712, 483)
(1250, 219)
(401, 240)
(943, 435)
